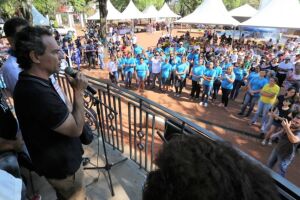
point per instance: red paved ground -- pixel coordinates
(213, 114)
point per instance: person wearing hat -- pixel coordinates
(283, 68)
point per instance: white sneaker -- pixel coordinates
(205, 105)
(201, 103)
(270, 142)
(264, 142)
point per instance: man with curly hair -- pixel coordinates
(190, 167)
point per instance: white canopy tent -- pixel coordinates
(166, 12)
(150, 12)
(131, 12)
(263, 4)
(210, 12)
(38, 18)
(277, 14)
(113, 13)
(243, 11)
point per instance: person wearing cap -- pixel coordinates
(283, 69)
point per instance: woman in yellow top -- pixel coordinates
(268, 96)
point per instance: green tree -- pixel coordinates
(46, 7)
(140, 4)
(103, 14)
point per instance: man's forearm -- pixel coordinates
(7, 145)
(292, 138)
(78, 109)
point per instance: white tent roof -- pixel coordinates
(210, 12)
(243, 11)
(263, 4)
(150, 12)
(277, 14)
(131, 12)
(113, 13)
(38, 18)
(166, 12)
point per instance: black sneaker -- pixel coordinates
(262, 135)
(240, 113)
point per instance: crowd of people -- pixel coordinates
(268, 72)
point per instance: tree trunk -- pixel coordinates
(103, 13)
(26, 10)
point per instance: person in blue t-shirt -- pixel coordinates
(141, 74)
(240, 74)
(158, 48)
(180, 50)
(253, 73)
(226, 64)
(129, 65)
(227, 78)
(217, 81)
(208, 77)
(174, 63)
(166, 69)
(253, 93)
(137, 49)
(169, 50)
(197, 78)
(180, 75)
(121, 61)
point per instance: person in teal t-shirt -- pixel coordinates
(208, 76)
(227, 78)
(197, 78)
(129, 65)
(121, 62)
(240, 74)
(166, 69)
(217, 81)
(180, 75)
(141, 74)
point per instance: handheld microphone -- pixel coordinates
(70, 71)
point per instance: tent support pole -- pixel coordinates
(232, 36)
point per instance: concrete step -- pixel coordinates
(127, 178)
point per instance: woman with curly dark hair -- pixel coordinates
(193, 168)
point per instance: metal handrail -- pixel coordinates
(286, 189)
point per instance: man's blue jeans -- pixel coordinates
(283, 162)
(101, 60)
(206, 93)
(128, 77)
(264, 109)
(249, 100)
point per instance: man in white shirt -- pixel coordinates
(283, 69)
(11, 68)
(134, 39)
(234, 56)
(156, 68)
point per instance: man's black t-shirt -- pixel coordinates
(40, 110)
(8, 123)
